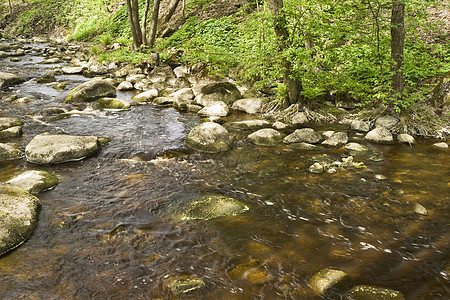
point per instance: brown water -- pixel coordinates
(105, 231)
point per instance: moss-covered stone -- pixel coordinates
(212, 206)
(6, 123)
(91, 91)
(325, 279)
(253, 271)
(367, 292)
(209, 137)
(8, 152)
(111, 103)
(18, 216)
(185, 284)
(35, 181)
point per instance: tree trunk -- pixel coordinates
(10, 7)
(293, 85)
(135, 15)
(144, 23)
(154, 23)
(106, 5)
(173, 7)
(134, 32)
(397, 46)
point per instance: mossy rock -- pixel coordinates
(111, 103)
(184, 284)
(326, 279)
(8, 152)
(18, 216)
(367, 292)
(6, 123)
(253, 271)
(209, 137)
(91, 91)
(212, 206)
(35, 181)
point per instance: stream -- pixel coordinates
(105, 231)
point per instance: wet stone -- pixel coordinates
(380, 135)
(325, 279)
(184, 284)
(209, 137)
(266, 137)
(15, 59)
(125, 86)
(337, 139)
(303, 146)
(47, 78)
(405, 138)
(6, 123)
(253, 271)
(19, 212)
(60, 86)
(163, 101)
(147, 96)
(307, 135)
(367, 292)
(441, 145)
(111, 103)
(91, 91)
(249, 124)
(212, 206)
(8, 79)
(316, 168)
(72, 70)
(8, 152)
(249, 105)
(420, 209)
(185, 94)
(215, 108)
(11, 132)
(35, 181)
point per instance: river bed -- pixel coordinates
(105, 231)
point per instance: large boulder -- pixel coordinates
(367, 292)
(34, 181)
(307, 135)
(265, 137)
(209, 137)
(51, 148)
(219, 91)
(215, 108)
(249, 105)
(212, 206)
(91, 91)
(8, 79)
(19, 212)
(380, 135)
(8, 152)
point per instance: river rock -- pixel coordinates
(15, 131)
(316, 168)
(367, 292)
(15, 59)
(249, 105)
(8, 79)
(265, 137)
(352, 148)
(147, 96)
(303, 146)
(253, 271)
(420, 209)
(125, 86)
(441, 145)
(6, 123)
(61, 86)
(91, 91)
(3, 54)
(380, 135)
(51, 148)
(359, 125)
(215, 108)
(325, 279)
(8, 152)
(54, 60)
(161, 74)
(249, 124)
(47, 78)
(185, 94)
(184, 284)
(299, 119)
(212, 206)
(163, 101)
(209, 137)
(307, 135)
(386, 122)
(219, 91)
(73, 70)
(405, 138)
(279, 125)
(133, 78)
(19, 212)
(337, 139)
(181, 72)
(34, 181)
(111, 103)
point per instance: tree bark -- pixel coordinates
(136, 21)
(397, 46)
(172, 9)
(144, 23)
(134, 32)
(10, 7)
(293, 85)
(154, 23)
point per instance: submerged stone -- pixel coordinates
(250, 124)
(111, 103)
(18, 216)
(185, 284)
(367, 292)
(51, 148)
(35, 181)
(441, 145)
(213, 206)
(8, 79)
(325, 279)
(253, 271)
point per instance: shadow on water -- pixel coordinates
(106, 232)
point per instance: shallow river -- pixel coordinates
(105, 231)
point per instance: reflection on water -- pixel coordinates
(105, 232)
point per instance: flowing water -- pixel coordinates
(105, 231)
